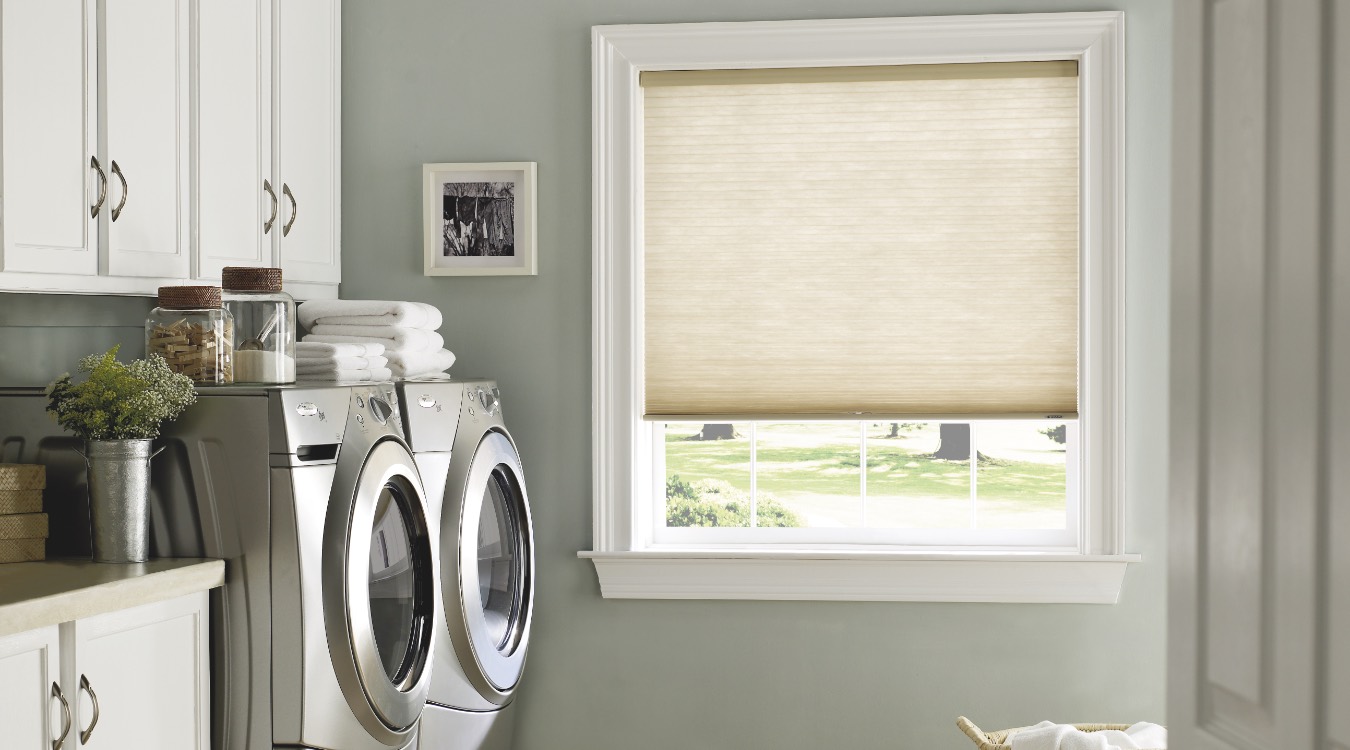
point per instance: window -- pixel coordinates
(855, 304)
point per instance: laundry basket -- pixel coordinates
(998, 740)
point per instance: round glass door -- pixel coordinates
(499, 563)
(393, 584)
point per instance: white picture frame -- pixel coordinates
(479, 219)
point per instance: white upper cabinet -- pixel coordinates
(144, 55)
(233, 188)
(151, 142)
(308, 114)
(47, 90)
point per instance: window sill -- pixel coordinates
(861, 576)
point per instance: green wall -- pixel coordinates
(44, 335)
(431, 80)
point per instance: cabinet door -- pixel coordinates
(144, 104)
(47, 96)
(147, 669)
(235, 201)
(306, 99)
(30, 711)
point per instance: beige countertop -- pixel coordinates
(37, 594)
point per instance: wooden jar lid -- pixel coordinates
(189, 297)
(251, 279)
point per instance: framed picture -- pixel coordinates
(479, 219)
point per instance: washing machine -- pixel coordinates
(322, 636)
(476, 492)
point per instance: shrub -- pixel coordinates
(712, 502)
(119, 401)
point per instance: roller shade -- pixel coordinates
(884, 240)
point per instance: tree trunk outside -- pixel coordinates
(717, 432)
(955, 442)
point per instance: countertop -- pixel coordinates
(37, 594)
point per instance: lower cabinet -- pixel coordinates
(133, 678)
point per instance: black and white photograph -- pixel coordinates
(479, 219)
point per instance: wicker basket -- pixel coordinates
(999, 740)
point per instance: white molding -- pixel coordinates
(862, 576)
(620, 53)
(131, 286)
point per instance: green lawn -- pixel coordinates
(813, 469)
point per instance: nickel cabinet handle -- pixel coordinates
(93, 721)
(267, 225)
(118, 171)
(102, 187)
(65, 717)
(286, 191)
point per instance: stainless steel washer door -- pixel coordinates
(489, 609)
(379, 581)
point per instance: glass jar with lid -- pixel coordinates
(193, 333)
(264, 325)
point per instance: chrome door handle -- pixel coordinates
(93, 721)
(102, 187)
(118, 171)
(286, 191)
(65, 717)
(267, 225)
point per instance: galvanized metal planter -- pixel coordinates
(119, 498)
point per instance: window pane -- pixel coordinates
(707, 474)
(808, 474)
(1022, 475)
(918, 475)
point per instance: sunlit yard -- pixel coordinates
(813, 470)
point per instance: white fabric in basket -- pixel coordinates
(1051, 736)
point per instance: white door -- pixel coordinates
(308, 116)
(1259, 589)
(31, 699)
(235, 201)
(142, 678)
(144, 103)
(47, 96)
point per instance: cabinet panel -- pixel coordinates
(306, 99)
(29, 714)
(147, 665)
(233, 144)
(47, 125)
(145, 115)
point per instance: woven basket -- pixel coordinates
(999, 740)
(20, 501)
(24, 526)
(22, 550)
(22, 476)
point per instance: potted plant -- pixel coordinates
(118, 410)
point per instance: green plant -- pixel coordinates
(119, 401)
(1059, 433)
(712, 502)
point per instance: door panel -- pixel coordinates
(30, 715)
(147, 667)
(145, 114)
(1257, 609)
(48, 137)
(306, 99)
(233, 140)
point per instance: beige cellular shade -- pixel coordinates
(834, 241)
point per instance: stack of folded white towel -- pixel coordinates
(1050, 736)
(396, 339)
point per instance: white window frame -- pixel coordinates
(626, 561)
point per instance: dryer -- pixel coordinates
(477, 495)
(322, 634)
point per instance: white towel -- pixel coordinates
(368, 312)
(374, 374)
(414, 364)
(1050, 736)
(315, 349)
(393, 338)
(317, 364)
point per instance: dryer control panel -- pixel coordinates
(431, 414)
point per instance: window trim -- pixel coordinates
(620, 444)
